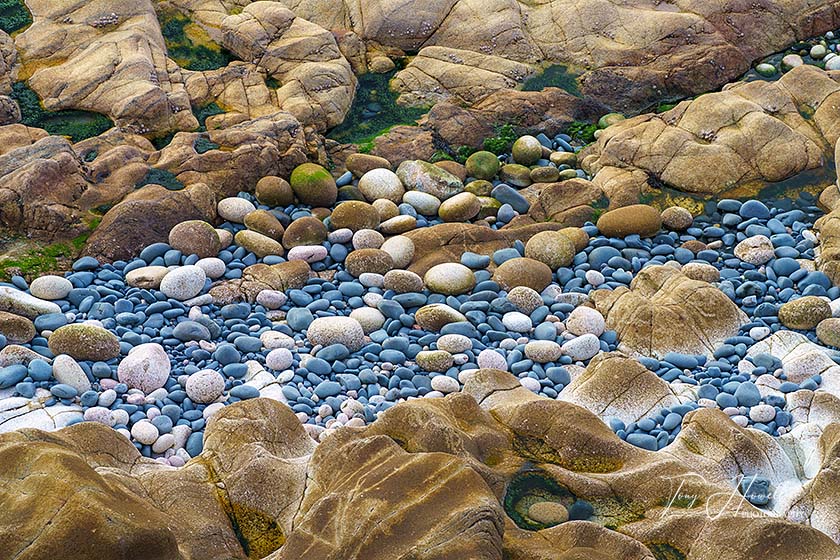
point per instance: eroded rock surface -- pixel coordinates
(439, 478)
(747, 134)
(665, 311)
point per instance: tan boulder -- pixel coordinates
(147, 216)
(665, 311)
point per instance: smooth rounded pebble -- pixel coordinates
(205, 386)
(146, 368)
(336, 330)
(50, 287)
(183, 283)
(234, 209)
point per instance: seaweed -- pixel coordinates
(14, 16)
(556, 75)
(189, 45)
(503, 140)
(77, 125)
(362, 124)
(161, 177)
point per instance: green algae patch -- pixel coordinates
(557, 75)
(41, 260)
(14, 16)
(161, 177)
(201, 113)
(189, 45)
(528, 488)
(664, 551)
(374, 112)
(77, 125)
(536, 450)
(613, 512)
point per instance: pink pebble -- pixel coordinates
(308, 253)
(108, 383)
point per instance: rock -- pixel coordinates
(525, 299)
(354, 215)
(336, 330)
(543, 351)
(402, 281)
(523, 272)
(67, 371)
(313, 185)
(582, 348)
(804, 313)
(460, 208)
(266, 223)
(701, 271)
(205, 386)
(445, 384)
(700, 129)
(184, 282)
(434, 360)
(568, 202)
(291, 275)
(381, 183)
(482, 165)
(234, 209)
(585, 320)
(146, 277)
(615, 386)
(515, 174)
(195, 237)
(638, 219)
(551, 248)
(274, 191)
(449, 279)
(548, 513)
(305, 231)
(146, 368)
(665, 311)
(434, 316)
(279, 359)
(20, 303)
(16, 329)
(424, 203)
(371, 319)
(317, 80)
(368, 260)
(828, 332)
(84, 341)
(50, 287)
(359, 164)
(677, 218)
(756, 250)
(146, 216)
(400, 248)
(259, 244)
(427, 178)
(526, 150)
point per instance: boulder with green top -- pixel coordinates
(526, 150)
(482, 165)
(313, 185)
(516, 175)
(84, 341)
(610, 119)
